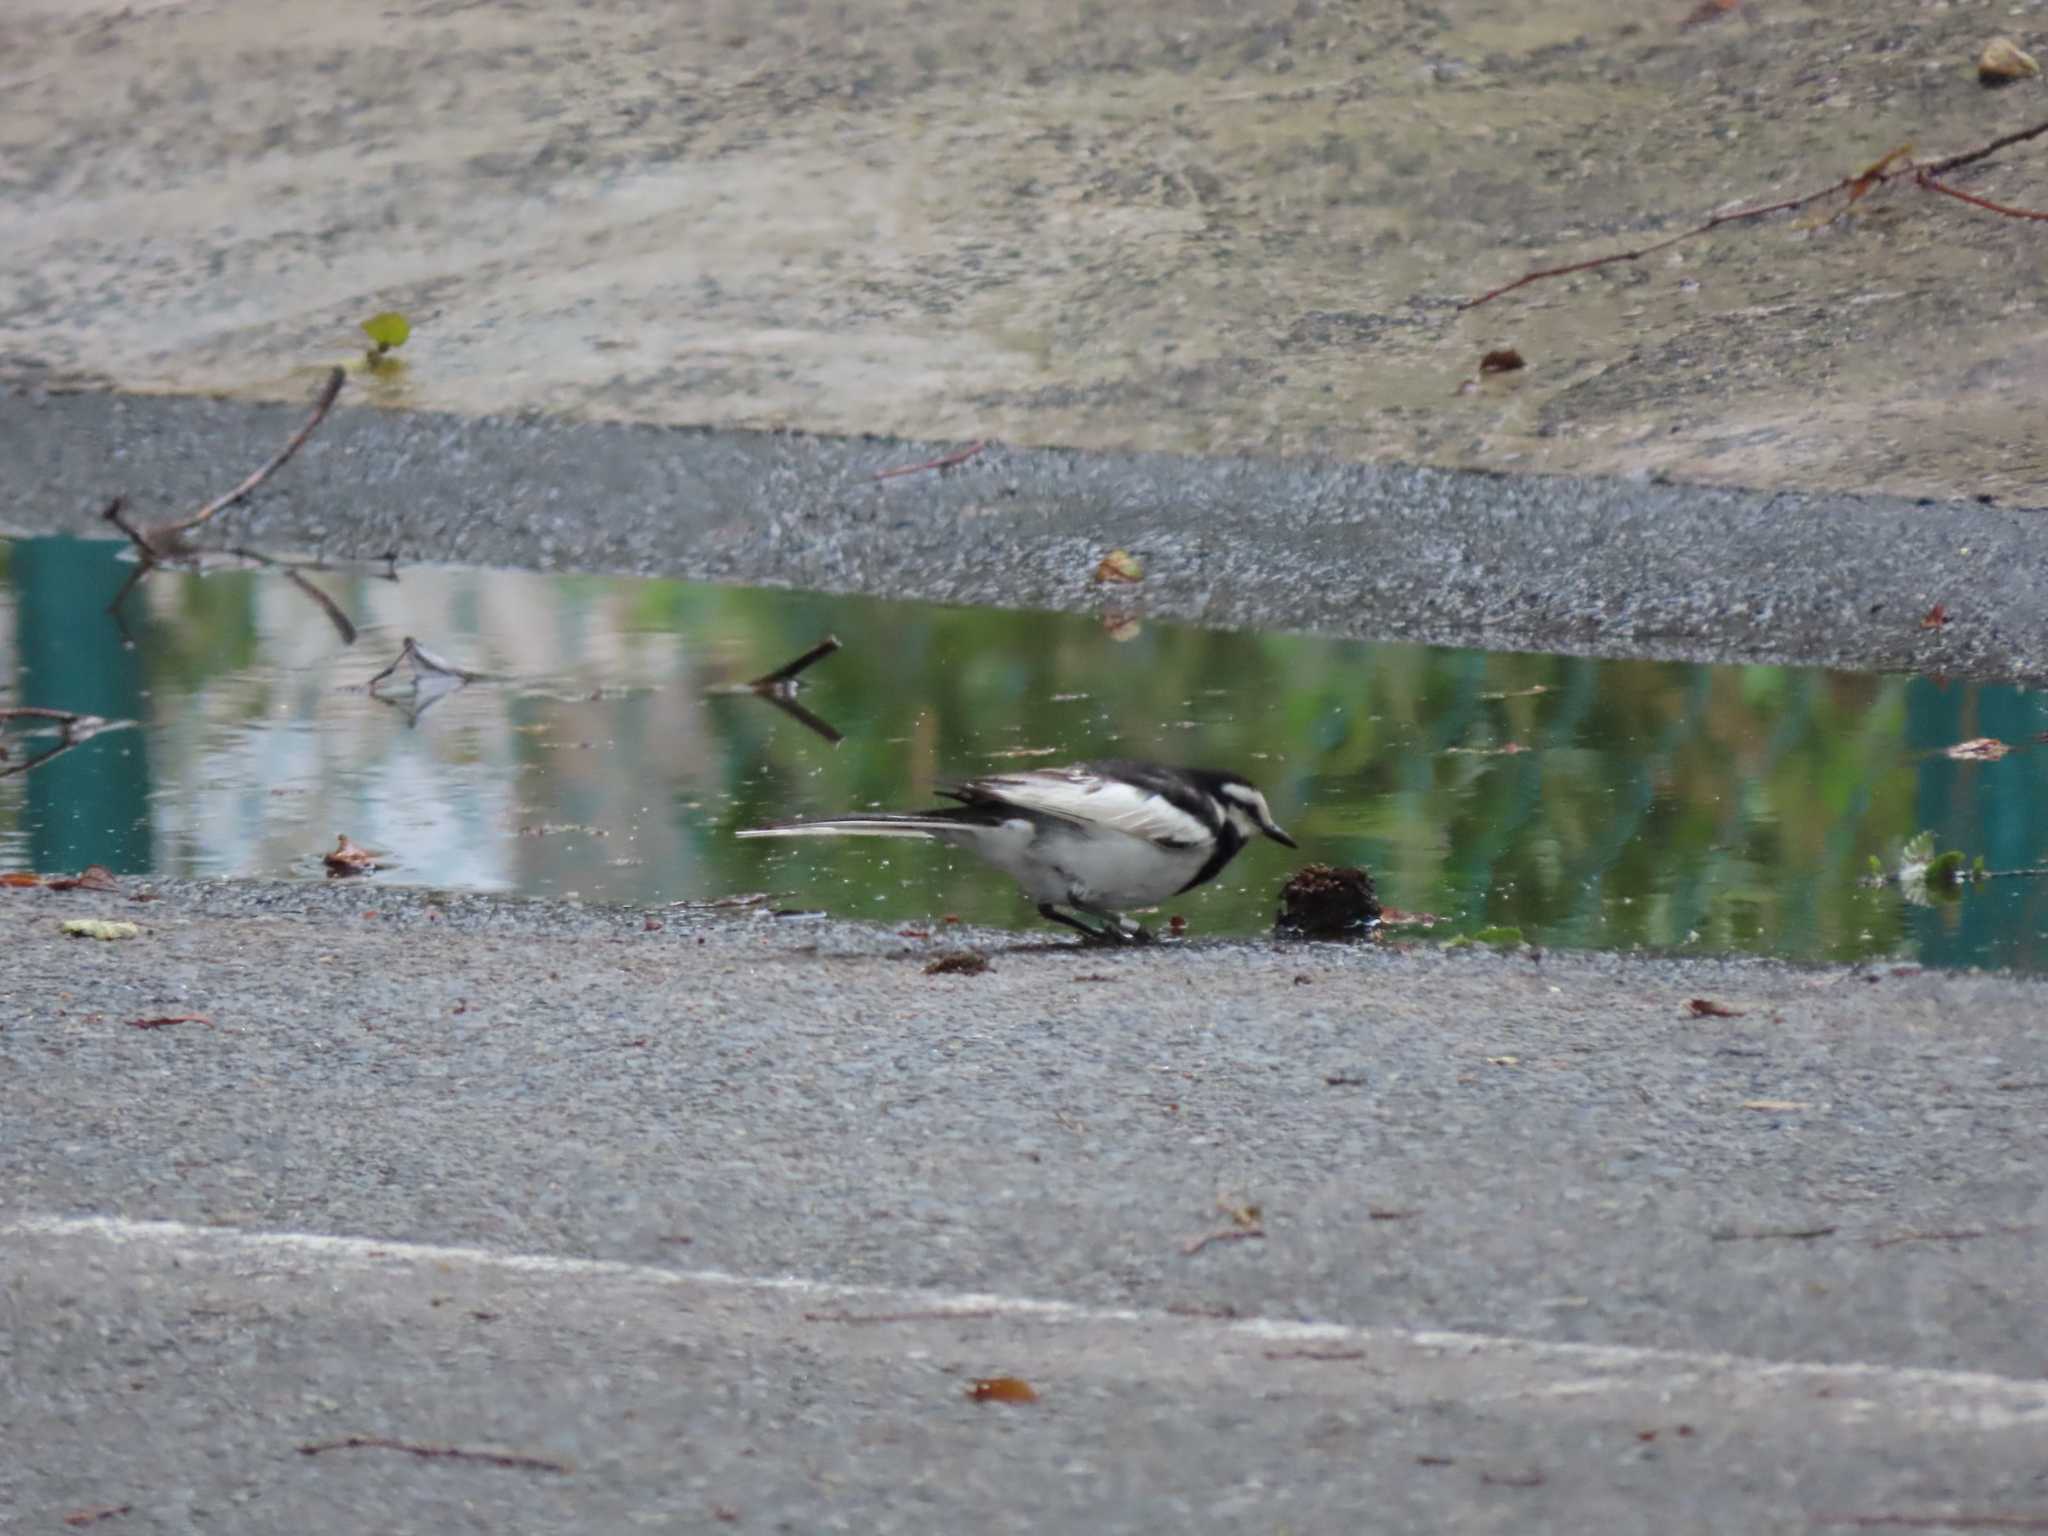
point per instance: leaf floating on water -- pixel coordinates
(1119, 565)
(1121, 627)
(1002, 1389)
(387, 331)
(20, 879)
(1979, 749)
(95, 928)
(2004, 61)
(347, 858)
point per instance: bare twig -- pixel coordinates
(1786, 205)
(947, 461)
(165, 1023)
(436, 1453)
(1893, 167)
(1960, 1234)
(1761, 1234)
(165, 544)
(780, 687)
(786, 674)
(1195, 1245)
(321, 406)
(1315, 1354)
(1975, 201)
(1940, 1522)
(1984, 151)
(928, 1315)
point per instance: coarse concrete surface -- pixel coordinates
(1209, 226)
(724, 1213)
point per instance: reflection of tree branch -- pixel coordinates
(73, 729)
(164, 543)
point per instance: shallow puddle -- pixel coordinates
(1585, 803)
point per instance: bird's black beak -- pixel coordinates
(1278, 836)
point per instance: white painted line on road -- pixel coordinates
(1972, 1399)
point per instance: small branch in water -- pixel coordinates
(780, 688)
(946, 461)
(164, 543)
(787, 672)
(435, 1452)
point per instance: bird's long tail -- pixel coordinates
(878, 825)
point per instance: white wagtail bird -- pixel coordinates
(1096, 837)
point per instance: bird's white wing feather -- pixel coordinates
(1087, 797)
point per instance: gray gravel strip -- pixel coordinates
(1592, 567)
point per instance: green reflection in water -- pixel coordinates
(1587, 803)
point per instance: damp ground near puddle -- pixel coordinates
(1602, 804)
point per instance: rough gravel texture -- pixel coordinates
(1597, 567)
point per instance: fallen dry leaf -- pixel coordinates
(965, 962)
(164, 1023)
(20, 878)
(1979, 749)
(1177, 926)
(1121, 627)
(1119, 565)
(1706, 11)
(1934, 617)
(2004, 61)
(96, 1514)
(1501, 360)
(1873, 173)
(1002, 1389)
(94, 877)
(346, 858)
(1707, 1008)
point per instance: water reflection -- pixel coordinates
(1586, 803)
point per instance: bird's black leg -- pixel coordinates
(1116, 928)
(1088, 931)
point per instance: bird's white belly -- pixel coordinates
(1103, 869)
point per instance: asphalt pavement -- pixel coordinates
(727, 1212)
